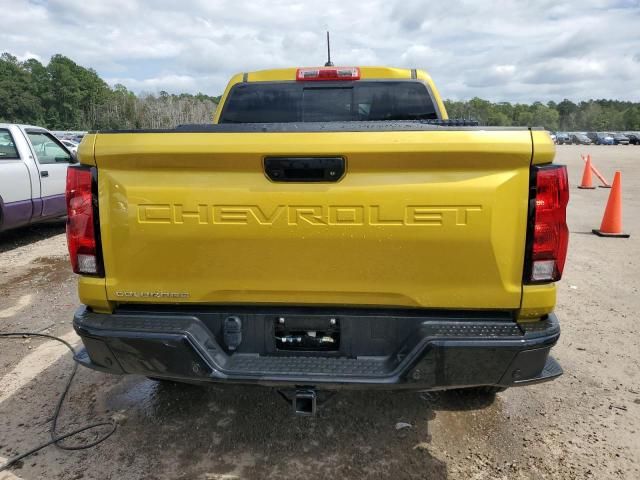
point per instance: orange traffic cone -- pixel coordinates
(612, 221)
(587, 181)
(605, 184)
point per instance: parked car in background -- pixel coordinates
(33, 172)
(71, 145)
(634, 138)
(553, 136)
(580, 139)
(619, 139)
(563, 138)
(75, 136)
(600, 138)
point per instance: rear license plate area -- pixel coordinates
(319, 334)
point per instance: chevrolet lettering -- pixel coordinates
(429, 215)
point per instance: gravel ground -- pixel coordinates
(584, 425)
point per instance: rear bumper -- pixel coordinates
(440, 352)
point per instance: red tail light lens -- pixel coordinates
(327, 73)
(549, 235)
(82, 222)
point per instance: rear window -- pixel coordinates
(8, 150)
(330, 102)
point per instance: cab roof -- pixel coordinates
(366, 73)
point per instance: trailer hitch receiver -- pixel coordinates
(304, 402)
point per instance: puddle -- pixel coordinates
(222, 424)
(144, 397)
(45, 272)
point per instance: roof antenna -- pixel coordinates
(329, 62)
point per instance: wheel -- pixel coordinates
(486, 391)
(162, 380)
(166, 382)
(493, 390)
(473, 397)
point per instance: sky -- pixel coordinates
(505, 50)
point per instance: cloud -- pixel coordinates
(493, 76)
(27, 55)
(566, 71)
(174, 83)
(507, 50)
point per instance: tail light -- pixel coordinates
(548, 235)
(82, 222)
(327, 73)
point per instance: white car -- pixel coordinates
(71, 145)
(33, 171)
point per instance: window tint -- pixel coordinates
(47, 148)
(326, 104)
(277, 103)
(265, 102)
(8, 150)
(399, 101)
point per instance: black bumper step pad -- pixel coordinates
(298, 365)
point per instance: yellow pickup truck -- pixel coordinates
(332, 228)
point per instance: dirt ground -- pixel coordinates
(584, 425)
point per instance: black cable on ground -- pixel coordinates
(55, 438)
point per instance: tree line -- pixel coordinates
(65, 96)
(591, 115)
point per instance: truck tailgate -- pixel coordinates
(432, 219)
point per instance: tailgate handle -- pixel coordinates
(304, 169)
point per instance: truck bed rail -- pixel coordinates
(308, 127)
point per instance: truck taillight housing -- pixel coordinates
(327, 74)
(82, 222)
(548, 235)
